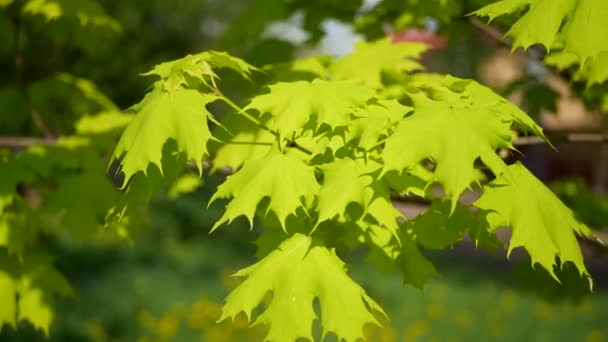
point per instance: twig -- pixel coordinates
(491, 32)
(560, 138)
(25, 142)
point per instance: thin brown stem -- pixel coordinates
(25, 142)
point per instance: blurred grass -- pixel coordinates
(170, 285)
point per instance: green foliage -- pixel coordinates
(377, 57)
(316, 153)
(165, 115)
(541, 223)
(285, 179)
(589, 207)
(580, 36)
(319, 103)
(466, 120)
(298, 271)
(27, 288)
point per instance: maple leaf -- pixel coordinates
(284, 178)
(292, 105)
(348, 181)
(344, 181)
(375, 121)
(544, 22)
(299, 271)
(370, 59)
(462, 121)
(199, 66)
(437, 229)
(180, 115)
(243, 142)
(405, 256)
(65, 204)
(304, 69)
(541, 223)
(593, 73)
(27, 290)
(414, 266)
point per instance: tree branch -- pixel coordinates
(565, 137)
(25, 142)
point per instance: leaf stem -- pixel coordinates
(249, 143)
(241, 111)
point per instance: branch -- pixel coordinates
(25, 142)
(491, 32)
(563, 138)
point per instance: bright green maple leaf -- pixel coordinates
(304, 69)
(284, 178)
(292, 105)
(200, 66)
(348, 181)
(463, 121)
(299, 271)
(243, 142)
(370, 59)
(180, 115)
(596, 72)
(544, 22)
(541, 223)
(345, 181)
(376, 121)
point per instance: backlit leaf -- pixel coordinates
(298, 271)
(541, 223)
(180, 115)
(284, 178)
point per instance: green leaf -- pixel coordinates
(299, 271)
(305, 69)
(292, 105)
(103, 123)
(376, 121)
(415, 268)
(65, 204)
(345, 181)
(180, 115)
(411, 182)
(460, 122)
(87, 12)
(199, 66)
(437, 229)
(184, 184)
(541, 223)
(243, 142)
(544, 22)
(284, 178)
(27, 290)
(370, 59)
(590, 207)
(596, 72)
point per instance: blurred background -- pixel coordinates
(70, 60)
